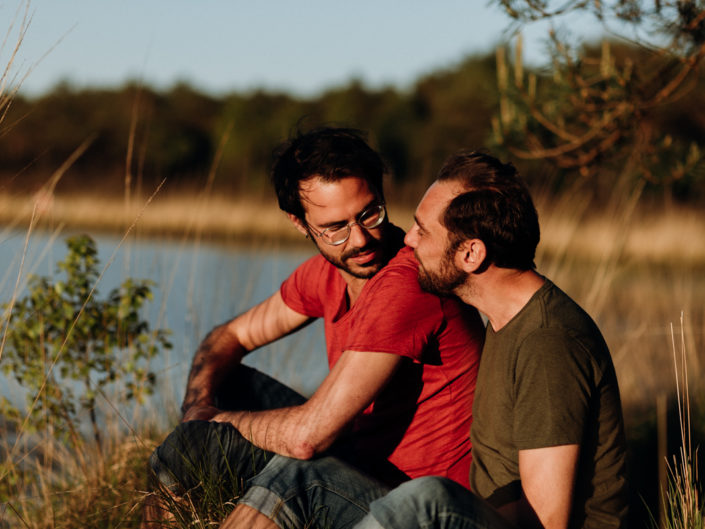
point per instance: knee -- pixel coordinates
(425, 489)
(182, 460)
(161, 476)
(181, 444)
(434, 502)
(419, 502)
(167, 461)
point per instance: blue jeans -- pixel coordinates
(432, 503)
(322, 492)
(199, 452)
(325, 491)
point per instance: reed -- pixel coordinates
(568, 231)
(630, 292)
(681, 491)
(631, 268)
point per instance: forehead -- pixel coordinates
(434, 203)
(328, 201)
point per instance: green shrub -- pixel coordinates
(65, 346)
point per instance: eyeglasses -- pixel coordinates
(369, 219)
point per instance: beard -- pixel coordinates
(445, 281)
(360, 271)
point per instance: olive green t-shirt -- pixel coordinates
(547, 379)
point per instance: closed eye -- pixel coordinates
(419, 229)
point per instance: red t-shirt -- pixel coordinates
(420, 422)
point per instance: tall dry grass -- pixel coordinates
(569, 230)
(633, 270)
(633, 274)
(682, 502)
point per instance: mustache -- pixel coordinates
(354, 252)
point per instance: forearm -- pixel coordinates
(306, 430)
(216, 357)
(285, 431)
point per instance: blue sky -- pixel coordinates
(219, 46)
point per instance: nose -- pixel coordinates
(358, 236)
(412, 236)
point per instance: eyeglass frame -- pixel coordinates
(382, 217)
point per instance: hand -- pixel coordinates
(200, 413)
(232, 417)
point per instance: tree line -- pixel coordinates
(137, 135)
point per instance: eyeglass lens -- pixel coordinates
(370, 218)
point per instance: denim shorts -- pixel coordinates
(432, 503)
(323, 492)
(204, 452)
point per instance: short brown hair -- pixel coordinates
(495, 207)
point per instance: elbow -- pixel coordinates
(308, 435)
(307, 447)
(303, 451)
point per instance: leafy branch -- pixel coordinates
(65, 346)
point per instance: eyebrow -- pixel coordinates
(343, 222)
(419, 223)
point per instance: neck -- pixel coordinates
(500, 293)
(355, 286)
(393, 241)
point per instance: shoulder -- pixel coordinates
(402, 267)
(562, 312)
(314, 282)
(398, 280)
(551, 317)
(553, 330)
(315, 272)
(395, 297)
(565, 354)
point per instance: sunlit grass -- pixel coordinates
(681, 491)
(632, 272)
(78, 488)
(632, 289)
(174, 216)
(568, 231)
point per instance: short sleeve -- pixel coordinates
(554, 382)
(396, 317)
(301, 290)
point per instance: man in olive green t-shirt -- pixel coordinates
(546, 380)
(548, 434)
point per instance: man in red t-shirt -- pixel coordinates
(403, 362)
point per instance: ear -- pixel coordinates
(296, 221)
(470, 255)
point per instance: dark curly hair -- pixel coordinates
(329, 153)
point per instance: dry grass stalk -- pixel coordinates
(682, 503)
(9, 82)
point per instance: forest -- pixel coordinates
(183, 135)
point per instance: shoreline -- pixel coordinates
(670, 238)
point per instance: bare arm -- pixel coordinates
(548, 480)
(305, 430)
(226, 345)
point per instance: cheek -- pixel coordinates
(332, 251)
(423, 252)
(433, 251)
(327, 250)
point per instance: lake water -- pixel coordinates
(197, 286)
